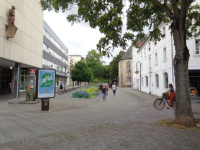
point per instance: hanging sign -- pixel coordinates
(46, 84)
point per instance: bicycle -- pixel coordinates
(160, 103)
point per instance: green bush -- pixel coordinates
(80, 94)
(90, 91)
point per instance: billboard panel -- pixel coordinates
(46, 84)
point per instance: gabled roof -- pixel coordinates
(128, 54)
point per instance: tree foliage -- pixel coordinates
(93, 59)
(113, 67)
(81, 72)
(107, 15)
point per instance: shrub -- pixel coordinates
(90, 91)
(80, 94)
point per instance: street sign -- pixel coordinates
(46, 84)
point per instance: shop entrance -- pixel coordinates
(23, 80)
(5, 80)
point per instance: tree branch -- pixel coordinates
(164, 6)
(189, 3)
(175, 7)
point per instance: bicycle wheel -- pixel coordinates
(159, 104)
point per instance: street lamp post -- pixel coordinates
(138, 72)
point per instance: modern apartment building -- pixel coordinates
(22, 52)
(55, 55)
(153, 63)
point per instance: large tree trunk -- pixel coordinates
(183, 112)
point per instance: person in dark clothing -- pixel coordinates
(104, 90)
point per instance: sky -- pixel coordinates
(78, 38)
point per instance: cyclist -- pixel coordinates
(171, 94)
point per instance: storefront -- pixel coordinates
(23, 79)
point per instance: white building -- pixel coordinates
(156, 59)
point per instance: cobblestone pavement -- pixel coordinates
(126, 121)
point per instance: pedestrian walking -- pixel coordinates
(107, 87)
(100, 90)
(103, 91)
(60, 85)
(114, 88)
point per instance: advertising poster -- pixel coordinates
(46, 84)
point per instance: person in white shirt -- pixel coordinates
(114, 88)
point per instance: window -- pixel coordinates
(197, 47)
(163, 32)
(43, 31)
(157, 80)
(44, 47)
(156, 59)
(164, 55)
(149, 46)
(47, 35)
(128, 69)
(165, 80)
(142, 81)
(146, 78)
(150, 70)
(128, 79)
(145, 52)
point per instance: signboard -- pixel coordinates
(32, 71)
(46, 84)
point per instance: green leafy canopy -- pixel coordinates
(107, 15)
(81, 72)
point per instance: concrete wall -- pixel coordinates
(26, 46)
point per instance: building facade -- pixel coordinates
(23, 52)
(125, 75)
(55, 55)
(73, 59)
(153, 62)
